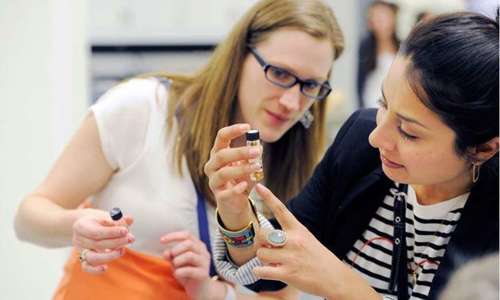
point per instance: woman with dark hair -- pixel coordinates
(403, 197)
(144, 145)
(376, 51)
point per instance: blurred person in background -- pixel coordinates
(477, 279)
(143, 146)
(424, 16)
(484, 7)
(376, 51)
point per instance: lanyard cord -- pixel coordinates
(203, 228)
(399, 271)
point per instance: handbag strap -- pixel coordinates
(203, 228)
(399, 269)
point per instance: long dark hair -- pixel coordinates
(454, 71)
(367, 61)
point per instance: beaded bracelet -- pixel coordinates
(240, 238)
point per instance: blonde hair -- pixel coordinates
(205, 102)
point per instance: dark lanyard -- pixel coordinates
(200, 207)
(203, 228)
(399, 269)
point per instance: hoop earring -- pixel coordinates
(475, 172)
(307, 119)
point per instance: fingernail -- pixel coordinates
(131, 238)
(244, 127)
(242, 187)
(254, 152)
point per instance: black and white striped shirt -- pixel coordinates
(428, 231)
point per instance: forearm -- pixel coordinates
(42, 222)
(240, 255)
(363, 294)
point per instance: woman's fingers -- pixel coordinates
(95, 230)
(190, 272)
(279, 210)
(271, 273)
(177, 236)
(236, 173)
(271, 256)
(190, 258)
(101, 245)
(186, 243)
(97, 259)
(261, 238)
(227, 134)
(233, 199)
(229, 156)
(126, 221)
(102, 233)
(101, 240)
(93, 270)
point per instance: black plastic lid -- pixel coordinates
(252, 135)
(115, 213)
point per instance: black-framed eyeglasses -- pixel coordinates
(286, 79)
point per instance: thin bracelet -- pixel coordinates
(241, 238)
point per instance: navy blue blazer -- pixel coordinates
(348, 186)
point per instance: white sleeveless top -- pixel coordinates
(131, 120)
(373, 84)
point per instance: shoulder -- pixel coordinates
(132, 94)
(124, 115)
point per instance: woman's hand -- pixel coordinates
(101, 240)
(303, 262)
(190, 260)
(228, 172)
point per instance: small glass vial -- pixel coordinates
(253, 140)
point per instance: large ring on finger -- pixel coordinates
(276, 237)
(83, 255)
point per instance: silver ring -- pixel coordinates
(83, 255)
(276, 238)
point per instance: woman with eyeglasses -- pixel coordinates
(144, 145)
(404, 196)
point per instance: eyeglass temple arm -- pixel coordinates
(257, 56)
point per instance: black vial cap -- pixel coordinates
(252, 135)
(116, 214)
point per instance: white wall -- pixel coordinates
(163, 21)
(43, 95)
